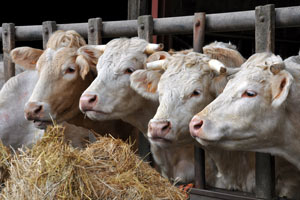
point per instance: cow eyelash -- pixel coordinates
(70, 70)
(196, 93)
(249, 94)
(129, 71)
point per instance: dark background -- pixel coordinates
(34, 13)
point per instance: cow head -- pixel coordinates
(110, 96)
(64, 73)
(248, 115)
(191, 81)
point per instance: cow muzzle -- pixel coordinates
(196, 126)
(158, 130)
(34, 111)
(88, 101)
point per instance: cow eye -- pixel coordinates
(196, 93)
(70, 70)
(129, 71)
(249, 93)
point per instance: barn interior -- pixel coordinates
(287, 42)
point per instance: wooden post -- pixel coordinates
(137, 8)
(94, 31)
(265, 41)
(8, 42)
(49, 27)
(145, 31)
(199, 154)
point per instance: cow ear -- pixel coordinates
(145, 83)
(280, 83)
(26, 57)
(218, 84)
(87, 58)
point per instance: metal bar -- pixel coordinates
(94, 31)
(196, 194)
(8, 43)
(265, 41)
(199, 154)
(221, 22)
(48, 28)
(145, 31)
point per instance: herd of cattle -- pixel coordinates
(228, 105)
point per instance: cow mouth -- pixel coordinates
(159, 139)
(97, 112)
(41, 124)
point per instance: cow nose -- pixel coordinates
(88, 101)
(33, 110)
(195, 126)
(159, 128)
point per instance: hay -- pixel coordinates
(5, 156)
(106, 169)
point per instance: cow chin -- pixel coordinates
(42, 124)
(99, 116)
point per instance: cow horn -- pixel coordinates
(217, 66)
(156, 65)
(151, 48)
(100, 47)
(276, 68)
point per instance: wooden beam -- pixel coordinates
(199, 154)
(265, 41)
(8, 42)
(49, 27)
(94, 31)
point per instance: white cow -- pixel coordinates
(257, 111)
(15, 130)
(116, 94)
(190, 83)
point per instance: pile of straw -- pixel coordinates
(106, 169)
(5, 156)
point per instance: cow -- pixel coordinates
(189, 83)
(257, 111)
(65, 69)
(124, 90)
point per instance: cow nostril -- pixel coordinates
(166, 126)
(38, 109)
(93, 99)
(198, 125)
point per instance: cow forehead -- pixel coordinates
(123, 51)
(54, 59)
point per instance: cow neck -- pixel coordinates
(290, 149)
(83, 121)
(179, 164)
(228, 169)
(141, 116)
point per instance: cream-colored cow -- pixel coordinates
(65, 70)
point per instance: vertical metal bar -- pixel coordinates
(8, 42)
(199, 154)
(137, 8)
(49, 27)
(94, 31)
(145, 31)
(265, 41)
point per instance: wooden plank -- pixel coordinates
(8, 42)
(265, 41)
(145, 27)
(198, 41)
(49, 27)
(94, 31)
(145, 31)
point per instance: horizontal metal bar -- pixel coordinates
(221, 194)
(221, 22)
